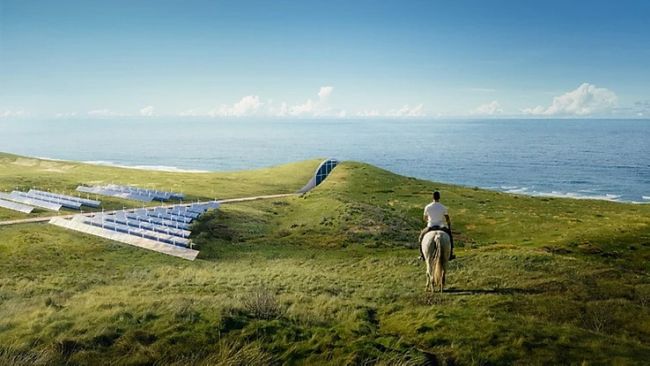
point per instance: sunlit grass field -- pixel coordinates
(330, 277)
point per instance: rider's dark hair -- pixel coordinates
(436, 195)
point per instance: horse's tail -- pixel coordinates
(428, 248)
(441, 259)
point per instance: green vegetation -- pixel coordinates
(328, 277)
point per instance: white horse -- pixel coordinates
(436, 247)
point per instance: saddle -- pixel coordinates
(439, 228)
(442, 228)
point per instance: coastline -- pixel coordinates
(509, 189)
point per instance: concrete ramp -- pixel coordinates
(80, 226)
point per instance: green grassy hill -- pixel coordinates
(327, 278)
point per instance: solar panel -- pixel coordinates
(31, 201)
(99, 221)
(136, 196)
(83, 201)
(64, 203)
(158, 221)
(129, 192)
(204, 206)
(86, 189)
(16, 206)
(164, 214)
(104, 191)
(125, 220)
(165, 224)
(183, 212)
(157, 195)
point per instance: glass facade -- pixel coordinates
(325, 169)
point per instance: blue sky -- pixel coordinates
(323, 59)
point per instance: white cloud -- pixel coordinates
(316, 108)
(587, 99)
(147, 111)
(284, 109)
(369, 113)
(191, 113)
(101, 112)
(65, 114)
(8, 113)
(301, 109)
(488, 109)
(325, 92)
(407, 111)
(247, 106)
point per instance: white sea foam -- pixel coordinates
(50, 159)
(580, 195)
(162, 168)
(646, 197)
(518, 190)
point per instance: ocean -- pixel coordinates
(601, 159)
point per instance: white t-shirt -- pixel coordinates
(436, 212)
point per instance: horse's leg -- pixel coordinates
(444, 261)
(432, 278)
(428, 285)
(437, 271)
(441, 272)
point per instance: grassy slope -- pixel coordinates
(326, 278)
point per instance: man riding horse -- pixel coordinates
(437, 217)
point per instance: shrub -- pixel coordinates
(262, 304)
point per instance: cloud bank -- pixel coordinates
(147, 111)
(407, 111)
(247, 106)
(586, 100)
(65, 115)
(488, 109)
(319, 106)
(101, 113)
(8, 113)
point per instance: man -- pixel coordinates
(437, 218)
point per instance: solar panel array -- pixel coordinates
(169, 225)
(57, 201)
(131, 193)
(26, 201)
(16, 206)
(15, 196)
(83, 201)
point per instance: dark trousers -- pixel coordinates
(433, 228)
